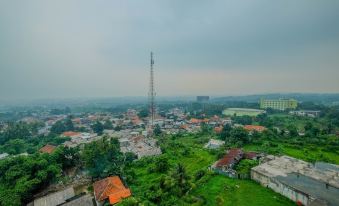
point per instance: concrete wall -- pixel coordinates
(281, 188)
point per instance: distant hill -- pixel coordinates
(328, 99)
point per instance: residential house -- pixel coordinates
(252, 155)
(214, 144)
(71, 134)
(47, 149)
(252, 128)
(110, 189)
(225, 165)
(3, 155)
(217, 130)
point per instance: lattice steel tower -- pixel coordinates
(151, 94)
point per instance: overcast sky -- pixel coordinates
(97, 48)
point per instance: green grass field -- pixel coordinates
(242, 112)
(305, 154)
(220, 190)
(212, 189)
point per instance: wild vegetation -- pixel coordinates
(183, 178)
(22, 176)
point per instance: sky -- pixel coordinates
(101, 48)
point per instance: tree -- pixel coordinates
(204, 128)
(238, 134)
(157, 130)
(68, 157)
(226, 132)
(98, 127)
(22, 176)
(161, 164)
(117, 128)
(308, 126)
(58, 127)
(69, 124)
(181, 179)
(199, 174)
(15, 130)
(63, 126)
(293, 132)
(15, 146)
(103, 158)
(108, 124)
(243, 119)
(143, 113)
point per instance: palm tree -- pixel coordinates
(182, 179)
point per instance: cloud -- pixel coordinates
(101, 48)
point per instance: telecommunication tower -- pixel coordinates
(151, 94)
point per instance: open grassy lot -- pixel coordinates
(220, 190)
(284, 120)
(242, 112)
(212, 189)
(307, 154)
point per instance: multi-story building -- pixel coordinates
(203, 98)
(278, 104)
(305, 113)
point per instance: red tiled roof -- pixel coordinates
(230, 157)
(184, 126)
(111, 188)
(70, 134)
(217, 129)
(250, 155)
(215, 118)
(47, 149)
(138, 138)
(77, 120)
(197, 121)
(254, 128)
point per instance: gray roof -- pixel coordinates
(311, 186)
(86, 200)
(56, 198)
(319, 180)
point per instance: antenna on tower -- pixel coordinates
(151, 94)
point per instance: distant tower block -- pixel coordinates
(151, 94)
(203, 98)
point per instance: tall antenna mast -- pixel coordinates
(151, 94)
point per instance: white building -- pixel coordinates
(3, 155)
(305, 113)
(300, 181)
(214, 144)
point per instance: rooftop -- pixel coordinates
(320, 180)
(47, 149)
(254, 128)
(230, 157)
(70, 134)
(56, 198)
(111, 188)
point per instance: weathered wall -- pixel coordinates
(281, 188)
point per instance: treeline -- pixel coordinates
(20, 137)
(23, 176)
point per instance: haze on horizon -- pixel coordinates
(56, 49)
